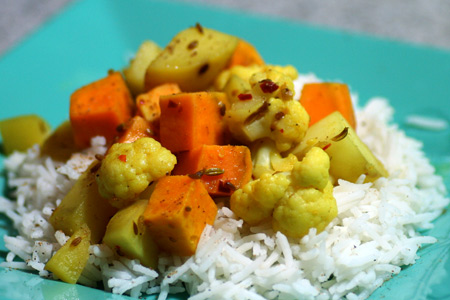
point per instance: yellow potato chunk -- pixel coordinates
(349, 156)
(193, 59)
(60, 145)
(83, 205)
(127, 236)
(135, 72)
(69, 261)
(22, 132)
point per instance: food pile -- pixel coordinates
(201, 168)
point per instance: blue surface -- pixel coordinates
(90, 37)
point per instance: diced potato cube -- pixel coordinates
(22, 132)
(60, 145)
(127, 236)
(193, 59)
(349, 156)
(135, 72)
(69, 261)
(83, 205)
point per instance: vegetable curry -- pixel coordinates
(203, 119)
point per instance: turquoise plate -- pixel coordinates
(89, 37)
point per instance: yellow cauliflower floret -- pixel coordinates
(264, 107)
(241, 71)
(129, 168)
(312, 170)
(288, 70)
(255, 201)
(289, 127)
(276, 75)
(306, 208)
(284, 122)
(267, 159)
(246, 72)
(295, 200)
(309, 201)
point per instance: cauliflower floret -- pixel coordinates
(261, 83)
(312, 170)
(295, 200)
(255, 201)
(306, 208)
(267, 159)
(263, 106)
(128, 168)
(288, 127)
(246, 72)
(243, 72)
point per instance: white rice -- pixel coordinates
(374, 234)
(426, 123)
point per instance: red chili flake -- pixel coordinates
(268, 86)
(282, 130)
(245, 97)
(123, 157)
(326, 147)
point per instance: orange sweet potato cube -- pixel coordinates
(323, 98)
(177, 212)
(189, 120)
(147, 104)
(245, 55)
(208, 160)
(98, 108)
(136, 128)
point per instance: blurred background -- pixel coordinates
(424, 22)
